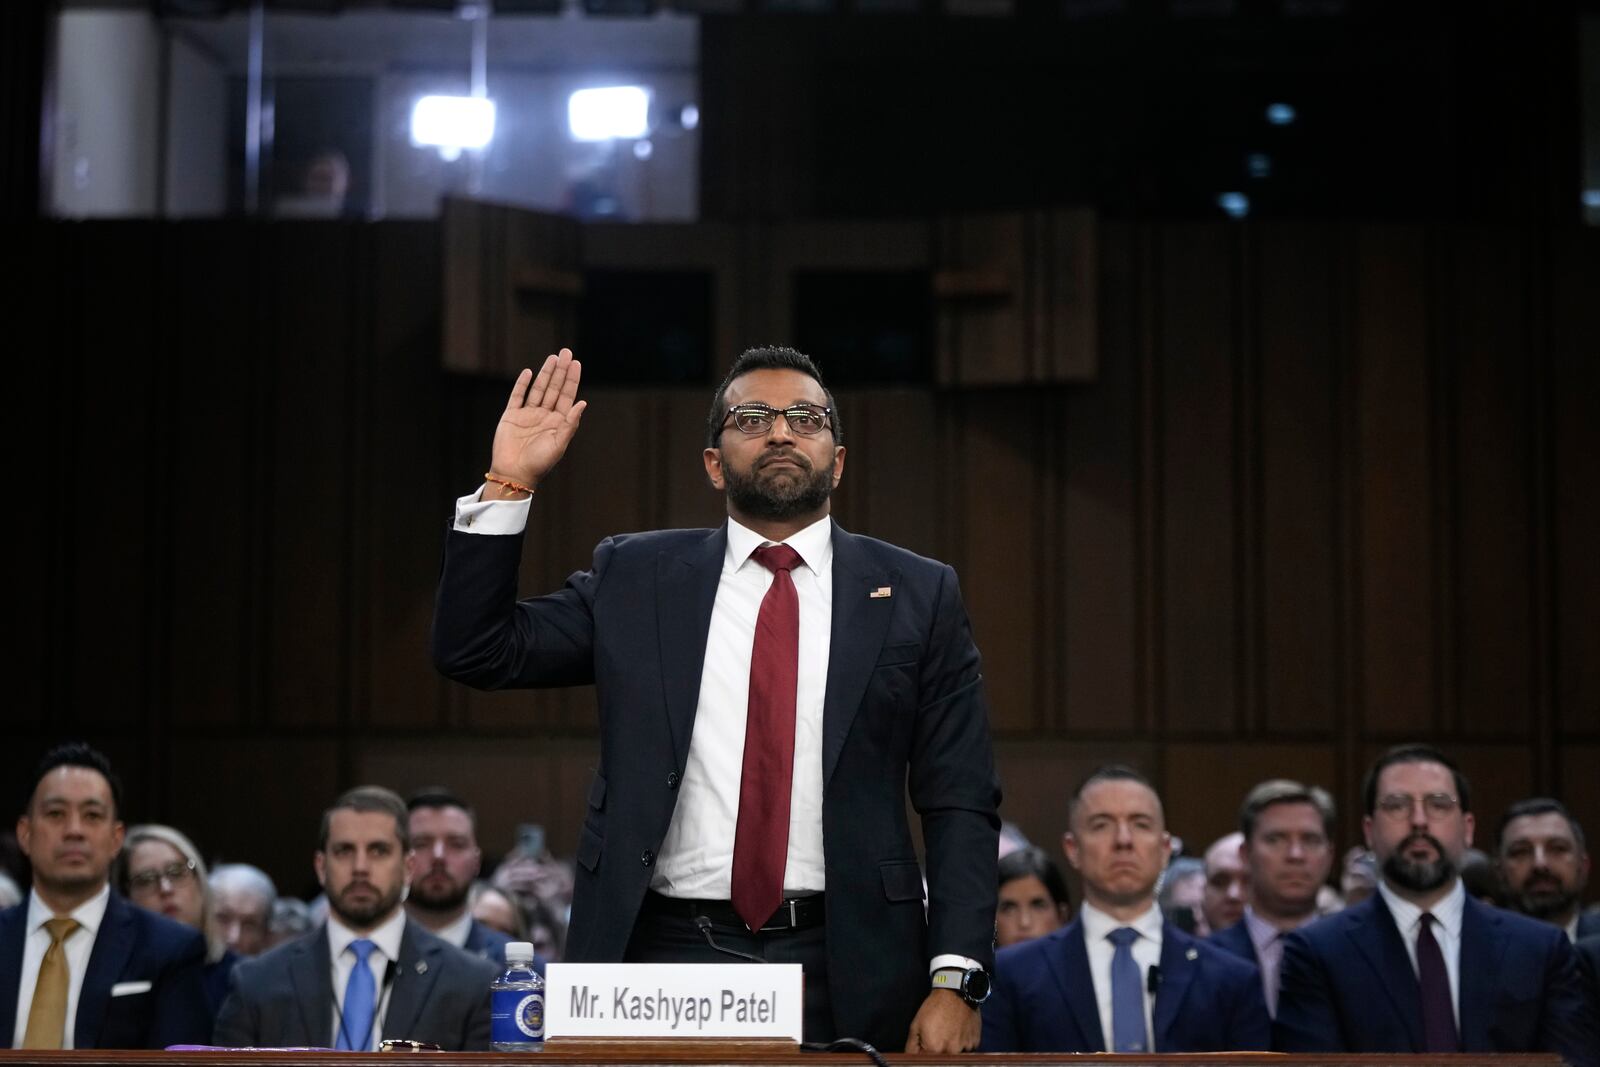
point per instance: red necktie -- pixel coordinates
(761, 841)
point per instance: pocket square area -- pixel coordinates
(128, 989)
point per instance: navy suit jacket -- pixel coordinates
(1588, 950)
(1588, 924)
(490, 944)
(132, 948)
(1236, 939)
(904, 708)
(1347, 985)
(1044, 999)
(436, 993)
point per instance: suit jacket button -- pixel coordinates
(673, 780)
(647, 858)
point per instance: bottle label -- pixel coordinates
(517, 1015)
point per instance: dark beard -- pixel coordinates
(1419, 877)
(450, 901)
(364, 916)
(1546, 903)
(763, 497)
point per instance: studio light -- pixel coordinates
(616, 111)
(452, 123)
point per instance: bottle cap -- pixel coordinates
(519, 952)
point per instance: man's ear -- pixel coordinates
(1069, 848)
(713, 461)
(24, 832)
(319, 861)
(838, 465)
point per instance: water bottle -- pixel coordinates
(516, 1003)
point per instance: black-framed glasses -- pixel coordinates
(1401, 805)
(172, 873)
(807, 420)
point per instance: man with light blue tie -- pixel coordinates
(370, 974)
(1120, 978)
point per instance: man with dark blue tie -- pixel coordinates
(369, 974)
(1120, 978)
(1421, 966)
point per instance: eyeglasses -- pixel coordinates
(807, 420)
(1401, 805)
(172, 874)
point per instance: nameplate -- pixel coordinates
(666, 1000)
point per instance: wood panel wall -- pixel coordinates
(1334, 487)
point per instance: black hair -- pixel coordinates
(1284, 791)
(1110, 772)
(1539, 806)
(76, 754)
(368, 798)
(1034, 862)
(1414, 753)
(437, 796)
(771, 358)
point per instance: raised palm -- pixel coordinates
(539, 420)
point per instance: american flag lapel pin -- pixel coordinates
(881, 593)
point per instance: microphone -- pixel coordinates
(705, 929)
(1152, 980)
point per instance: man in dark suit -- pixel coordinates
(1544, 863)
(776, 666)
(1420, 966)
(1120, 978)
(368, 974)
(444, 861)
(80, 967)
(1287, 829)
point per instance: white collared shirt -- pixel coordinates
(1447, 914)
(91, 914)
(387, 939)
(1097, 928)
(457, 930)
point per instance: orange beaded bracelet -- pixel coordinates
(489, 476)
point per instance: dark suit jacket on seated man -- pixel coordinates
(1120, 978)
(861, 680)
(121, 977)
(1421, 967)
(369, 974)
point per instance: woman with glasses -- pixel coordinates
(162, 872)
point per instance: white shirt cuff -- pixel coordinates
(948, 960)
(475, 515)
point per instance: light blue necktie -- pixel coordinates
(1127, 994)
(355, 1028)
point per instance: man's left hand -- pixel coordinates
(944, 1024)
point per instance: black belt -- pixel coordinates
(795, 913)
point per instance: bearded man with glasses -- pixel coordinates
(767, 692)
(1420, 966)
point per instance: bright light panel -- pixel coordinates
(611, 112)
(452, 122)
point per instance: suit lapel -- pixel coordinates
(1070, 969)
(1483, 943)
(686, 590)
(1378, 939)
(113, 944)
(412, 984)
(1179, 961)
(860, 622)
(311, 974)
(13, 933)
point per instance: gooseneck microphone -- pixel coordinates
(704, 925)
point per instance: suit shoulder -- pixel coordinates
(164, 936)
(1029, 957)
(1521, 928)
(1235, 940)
(895, 556)
(456, 962)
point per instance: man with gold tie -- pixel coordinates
(80, 967)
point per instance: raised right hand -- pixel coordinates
(538, 422)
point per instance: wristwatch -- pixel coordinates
(972, 983)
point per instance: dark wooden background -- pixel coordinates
(1333, 487)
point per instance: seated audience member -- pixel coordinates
(444, 860)
(291, 920)
(242, 899)
(1120, 978)
(547, 932)
(1420, 966)
(1544, 863)
(1182, 885)
(1480, 878)
(1358, 876)
(498, 912)
(80, 967)
(368, 974)
(163, 872)
(1227, 884)
(10, 894)
(1288, 851)
(1033, 897)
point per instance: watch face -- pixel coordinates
(975, 986)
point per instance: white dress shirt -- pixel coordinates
(387, 939)
(1446, 931)
(90, 915)
(696, 858)
(1097, 929)
(457, 930)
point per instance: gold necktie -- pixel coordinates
(47, 1019)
